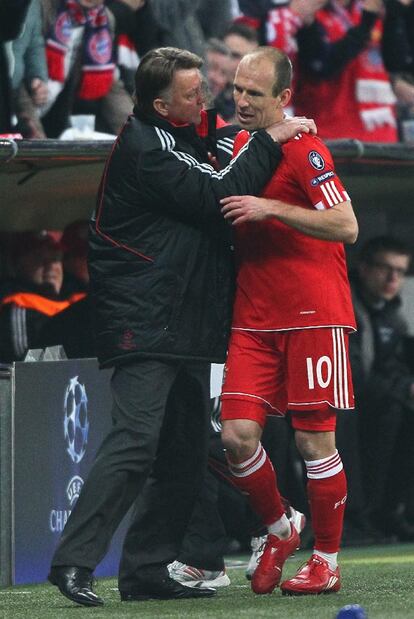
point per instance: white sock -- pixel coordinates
(330, 557)
(280, 528)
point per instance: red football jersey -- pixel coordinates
(286, 279)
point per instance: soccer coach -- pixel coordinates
(161, 286)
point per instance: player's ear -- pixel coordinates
(285, 97)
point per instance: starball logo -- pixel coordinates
(75, 432)
(75, 421)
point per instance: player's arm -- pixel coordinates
(334, 224)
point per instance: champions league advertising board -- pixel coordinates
(62, 413)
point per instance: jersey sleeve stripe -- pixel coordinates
(332, 193)
(335, 190)
(325, 193)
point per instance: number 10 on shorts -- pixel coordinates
(321, 371)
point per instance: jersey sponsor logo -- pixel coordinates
(316, 160)
(321, 178)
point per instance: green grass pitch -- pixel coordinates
(381, 579)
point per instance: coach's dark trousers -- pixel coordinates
(156, 451)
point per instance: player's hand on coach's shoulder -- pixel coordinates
(288, 128)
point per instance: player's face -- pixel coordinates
(384, 276)
(184, 102)
(256, 107)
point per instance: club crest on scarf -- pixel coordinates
(100, 47)
(63, 28)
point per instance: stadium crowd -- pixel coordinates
(60, 59)
(353, 66)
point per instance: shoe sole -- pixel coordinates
(298, 593)
(324, 592)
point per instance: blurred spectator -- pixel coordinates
(283, 23)
(222, 62)
(398, 54)
(341, 69)
(241, 40)
(37, 260)
(136, 19)
(181, 24)
(80, 55)
(75, 256)
(277, 21)
(398, 37)
(187, 24)
(33, 295)
(214, 17)
(30, 68)
(382, 432)
(137, 31)
(72, 328)
(12, 16)
(254, 13)
(219, 66)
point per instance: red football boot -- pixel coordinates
(268, 572)
(314, 577)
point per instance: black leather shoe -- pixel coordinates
(76, 584)
(164, 588)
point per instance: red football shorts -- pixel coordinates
(306, 371)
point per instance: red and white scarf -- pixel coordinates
(97, 48)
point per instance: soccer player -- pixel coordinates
(289, 343)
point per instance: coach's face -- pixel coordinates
(184, 100)
(256, 106)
